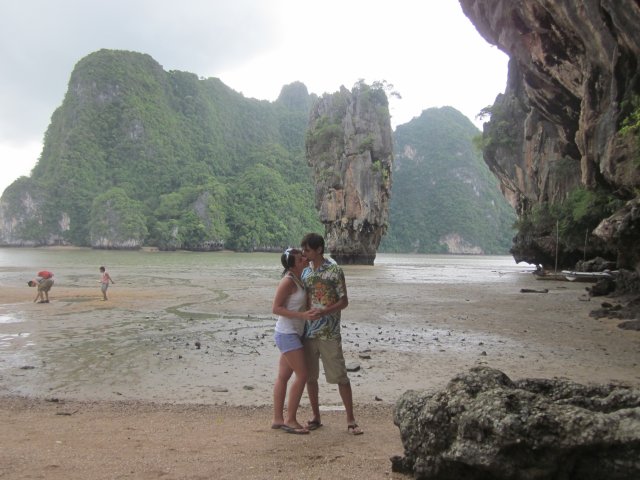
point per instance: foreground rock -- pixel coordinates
(485, 426)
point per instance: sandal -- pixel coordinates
(294, 430)
(354, 429)
(313, 424)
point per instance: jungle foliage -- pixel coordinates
(183, 153)
(441, 187)
(572, 219)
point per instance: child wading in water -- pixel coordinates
(104, 282)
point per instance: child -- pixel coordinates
(104, 282)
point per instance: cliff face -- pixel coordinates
(566, 128)
(349, 147)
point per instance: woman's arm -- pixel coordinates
(285, 289)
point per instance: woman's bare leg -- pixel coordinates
(280, 391)
(295, 360)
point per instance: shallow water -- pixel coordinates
(197, 327)
(442, 269)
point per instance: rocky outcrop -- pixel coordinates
(349, 147)
(24, 219)
(622, 230)
(459, 246)
(485, 426)
(568, 120)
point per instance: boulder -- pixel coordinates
(484, 425)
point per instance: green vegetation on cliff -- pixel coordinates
(183, 151)
(442, 190)
(138, 156)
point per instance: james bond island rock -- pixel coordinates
(484, 426)
(349, 147)
(564, 138)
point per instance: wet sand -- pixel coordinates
(172, 376)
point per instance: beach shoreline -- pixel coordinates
(127, 372)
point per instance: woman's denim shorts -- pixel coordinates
(287, 341)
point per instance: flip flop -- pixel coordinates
(296, 431)
(313, 424)
(354, 429)
(276, 426)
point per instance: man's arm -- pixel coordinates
(34, 283)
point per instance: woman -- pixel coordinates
(291, 306)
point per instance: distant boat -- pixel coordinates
(587, 276)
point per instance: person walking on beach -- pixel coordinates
(104, 282)
(327, 290)
(44, 282)
(291, 306)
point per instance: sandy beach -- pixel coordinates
(172, 376)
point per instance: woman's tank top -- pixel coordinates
(296, 302)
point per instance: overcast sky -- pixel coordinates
(427, 49)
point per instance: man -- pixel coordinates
(44, 282)
(327, 290)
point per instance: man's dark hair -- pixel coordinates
(313, 241)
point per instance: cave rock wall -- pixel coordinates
(574, 80)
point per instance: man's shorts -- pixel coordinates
(330, 351)
(287, 342)
(45, 285)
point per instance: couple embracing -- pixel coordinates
(308, 302)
